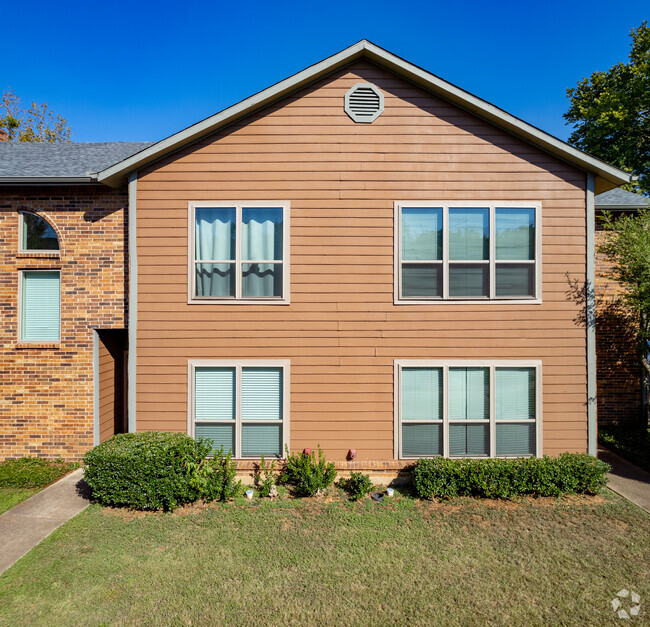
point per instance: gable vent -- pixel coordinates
(364, 102)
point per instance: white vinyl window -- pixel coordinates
(40, 306)
(470, 252)
(467, 409)
(239, 252)
(240, 406)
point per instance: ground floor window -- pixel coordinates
(40, 306)
(468, 409)
(242, 406)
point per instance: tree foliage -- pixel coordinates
(611, 112)
(34, 124)
(626, 245)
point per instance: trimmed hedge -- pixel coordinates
(155, 470)
(570, 473)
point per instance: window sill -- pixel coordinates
(38, 345)
(234, 301)
(46, 254)
(481, 301)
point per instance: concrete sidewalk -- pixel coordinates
(627, 479)
(29, 522)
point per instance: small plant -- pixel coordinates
(357, 486)
(265, 478)
(307, 475)
(214, 479)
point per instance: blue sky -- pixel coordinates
(139, 71)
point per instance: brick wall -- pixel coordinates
(618, 371)
(46, 405)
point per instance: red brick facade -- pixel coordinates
(46, 407)
(619, 377)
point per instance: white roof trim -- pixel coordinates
(116, 174)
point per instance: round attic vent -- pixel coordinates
(364, 102)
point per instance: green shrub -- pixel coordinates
(156, 470)
(265, 478)
(357, 486)
(33, 472)
(307, 475)
(214, 478)
(570, 473)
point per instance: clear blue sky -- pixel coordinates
(138, 71)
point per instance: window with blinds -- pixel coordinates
(240, 407)
(454, 251)
(468, 410)
(40, 306)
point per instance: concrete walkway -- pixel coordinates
(29, 522)
(627, 479)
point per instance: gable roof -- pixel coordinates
(115, 175)
(621, 199)
(43, 162)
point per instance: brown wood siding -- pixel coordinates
(342, 331)
(106, 393)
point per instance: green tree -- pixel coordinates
(611, 112)
(626, 246)
(34, 124)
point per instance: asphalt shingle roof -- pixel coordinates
(44, 159)
(620, 198)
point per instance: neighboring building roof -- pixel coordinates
(621, 199)
(116, 174)
(33, 162)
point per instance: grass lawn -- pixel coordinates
(632, 444)
(21, 478)
(314, 562)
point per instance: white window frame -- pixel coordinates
(445, 365)
(35, 251)
(21, 280)
(492, 261)
(238, 364)
(238, 300)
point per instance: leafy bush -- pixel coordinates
(307, 475)
(628, 441)
(570, 473)
(265, 478)
(157, 470)
(357, 486)
(214, 478)
(33, 472)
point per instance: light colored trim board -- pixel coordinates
(133, 300)
(590, 305)
(95, 387)
(492, 365)
(286, 253)
(445, 205)
(238, 364)
(115, 174)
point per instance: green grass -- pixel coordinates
(12, 496)
(309, 562)
(22, 478)
(632, 444)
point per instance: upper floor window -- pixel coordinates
(458, 251)
(239, 252)
(36, 233)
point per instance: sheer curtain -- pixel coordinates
(261, 242)
(215, 241)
